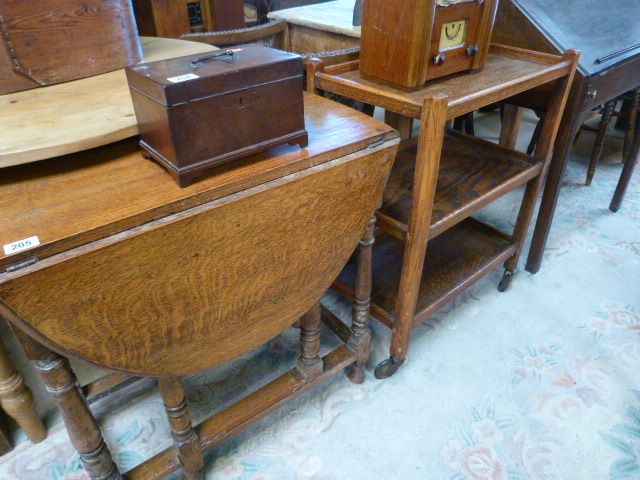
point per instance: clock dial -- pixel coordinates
(453, 34)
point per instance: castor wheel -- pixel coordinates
(505, 281)
(387, 367)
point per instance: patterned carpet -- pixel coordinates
(540, 382)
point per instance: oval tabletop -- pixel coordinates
(69, 117)
(335, 16)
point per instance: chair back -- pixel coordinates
(269, 34)
(334, 62)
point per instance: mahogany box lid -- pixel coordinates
(188, 78)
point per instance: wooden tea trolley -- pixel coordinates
(137, 275)
(429, 248)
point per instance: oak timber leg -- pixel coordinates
(464, 123)
(17, 400)
(510, 127)
(544, 150)
(82, 427)
(433, 119)
(550, 196)
(569, 124)
(360, 338)
(309, 362)
(605, 118)
(401, 123)
(185, 438)
(61, 383)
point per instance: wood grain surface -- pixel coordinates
(140, 288)
(508, 71)
(62, 201)
(204, 286)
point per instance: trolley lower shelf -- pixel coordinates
(455, 260)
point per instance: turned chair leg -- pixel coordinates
(185, 438)
(82, 427)
(360, 338)
(17, 400)
(607, 112)
(310, 363)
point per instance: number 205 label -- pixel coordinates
(20, 245)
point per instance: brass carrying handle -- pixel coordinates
(226, 53)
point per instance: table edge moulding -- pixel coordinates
(427, 225)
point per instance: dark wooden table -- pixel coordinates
(432, 249)
(608, 36)
(136, 275)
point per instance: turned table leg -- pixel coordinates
(598, 144)
(310, 363)
(360, 338)
(185, 438)
(17, 400)
(82, 427)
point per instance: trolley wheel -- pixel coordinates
(505, 281)
(387, 367)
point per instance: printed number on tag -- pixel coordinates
(20, 245)
(183, 78)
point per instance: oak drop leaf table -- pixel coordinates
(136, 275)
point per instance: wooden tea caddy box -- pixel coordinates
(199, 111)
(406, 43)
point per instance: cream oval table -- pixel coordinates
(320, 27)
(57, 120)
(74, 116)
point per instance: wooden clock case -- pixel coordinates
(403, 45)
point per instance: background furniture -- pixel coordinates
(212, 271)
(172, 18)
(432, 250)
(628, 117)
(264, 7)
(55, 41)
(608, 36)
(321, 27)
(632, 155)
(17, 401)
